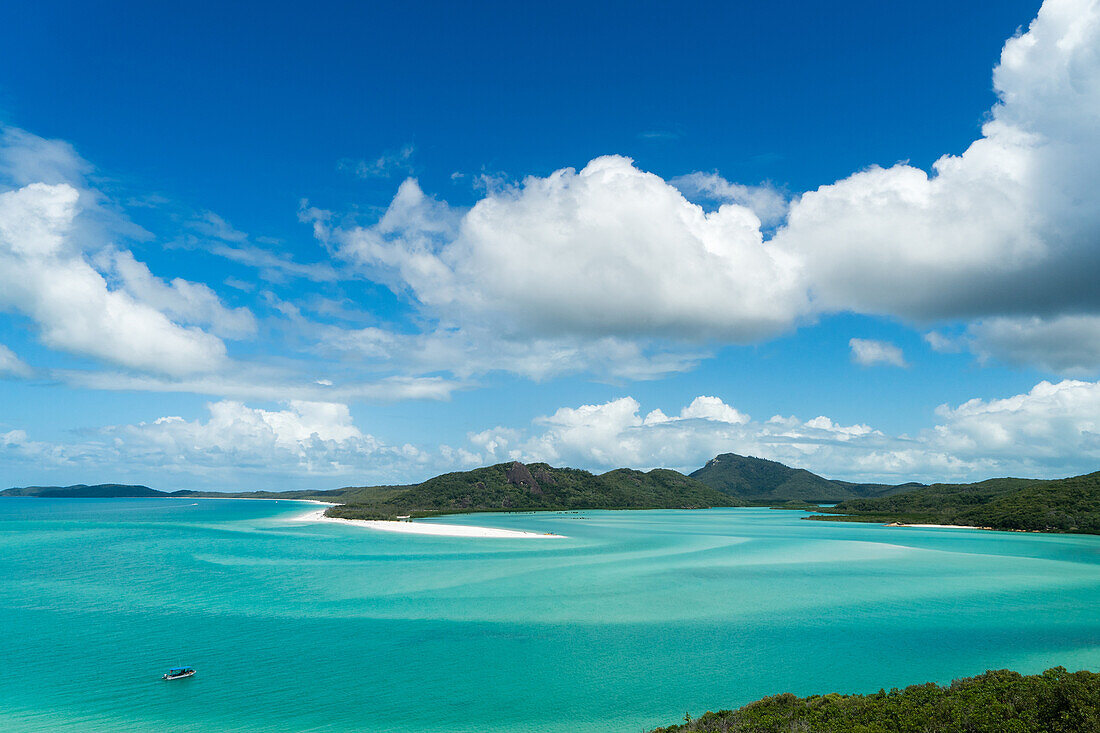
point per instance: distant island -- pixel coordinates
(1056, 701)
(728, 480)
(136, 491)
(84, 491)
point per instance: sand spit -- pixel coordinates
(426, 528)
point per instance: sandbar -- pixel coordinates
(427, 528)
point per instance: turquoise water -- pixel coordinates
(633, 620)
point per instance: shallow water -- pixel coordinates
(633, 620)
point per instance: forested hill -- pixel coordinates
(1062, 505)
(538, 486)
(1056, 701)
(758, 480)
(84, 491)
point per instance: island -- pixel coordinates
(1069, 505)
(536, 487)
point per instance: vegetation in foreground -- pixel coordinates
(1000, 701)
(1062, 505)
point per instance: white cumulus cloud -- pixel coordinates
(1052, 430)
(869, 352)
(184, 301)
(236, 447)
(1006, 229)
(609, 250)
(1008, 226)
(1055, 426)
(47, 278)
(616, 434)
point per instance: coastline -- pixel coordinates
(938, 526)
(424, 528)
(823, 517)
(245, 498)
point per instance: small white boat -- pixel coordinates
(178, 673)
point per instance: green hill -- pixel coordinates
(84, 491)
(1065, 505)
(515, 486)
(1056, 701)
(1062, 505)
(759, 480)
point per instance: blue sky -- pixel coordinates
(248, 247)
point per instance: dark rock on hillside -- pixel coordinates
(520, 476)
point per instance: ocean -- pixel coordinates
(635, 619)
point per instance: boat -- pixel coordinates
(178, 673)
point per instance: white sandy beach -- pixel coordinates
(428, 528)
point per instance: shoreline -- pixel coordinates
(423, 528)
(242, 498)
(938, 526)
(971, 526)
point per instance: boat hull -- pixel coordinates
(178, 676)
